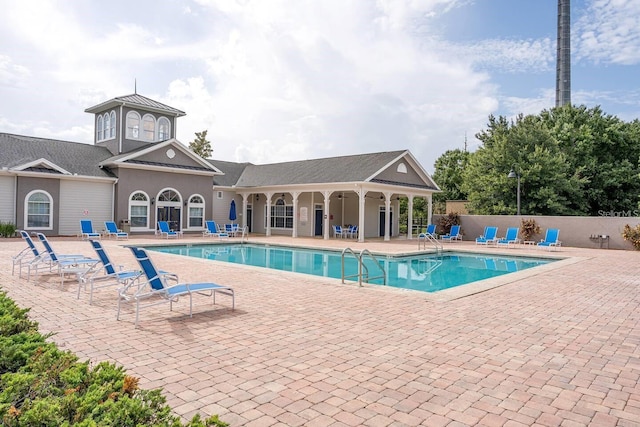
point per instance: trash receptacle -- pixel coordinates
(125, 225)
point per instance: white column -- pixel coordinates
(268, 231)
(361, 210)
(410, 216)
(387, 216)
(327, 203)
(295, 195)
(245, 201)
(429, 209)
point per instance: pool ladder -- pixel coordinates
(363, 270)
(423, 238)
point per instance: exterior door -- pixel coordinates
(171, 215)
(382, 223)
(250, 218)
(319, 219)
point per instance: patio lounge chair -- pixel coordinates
(107, 275)
(167, 232)
(454, 234)
(157, 287)
(431, 230)
(113, 230)
(65, 264)
(213, 231)
(511, 238)
(489, 237)
(33, 256)
(87, 231)
(550, 241)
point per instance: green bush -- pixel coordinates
(7, 229)
(41, 385)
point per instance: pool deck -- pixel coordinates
(558, 345)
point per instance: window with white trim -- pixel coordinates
(38, 211)
(148, 127)
(99, 129)
(139, 210)
(164, 129)
(112, 128)
(196, 211)
(133, 125)
(281, 215)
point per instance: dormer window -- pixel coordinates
(149, 127)
(133, 125)
(164, 129)
(106, 126)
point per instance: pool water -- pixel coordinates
(425, 272)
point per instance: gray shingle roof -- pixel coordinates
(83, 159)
(356, 168)
(135, 100)
(232, 172)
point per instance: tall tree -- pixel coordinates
(549, 185)
(448, 174)
(200, 145)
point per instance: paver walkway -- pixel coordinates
(559, 347)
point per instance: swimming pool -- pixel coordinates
(425, 272)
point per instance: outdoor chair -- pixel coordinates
(454, 234)
(87, 231)
(64, 264)
(107, 275)
(113, 230)
(158, 290)
(489, 236)
(550, 241)
(337, 231)
(511, 238)
(213, 231)
(166, 231)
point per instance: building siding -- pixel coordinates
(84, 200)
(8, 197)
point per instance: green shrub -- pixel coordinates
(7, 229)
(43, 386)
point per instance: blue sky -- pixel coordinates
(276, 80)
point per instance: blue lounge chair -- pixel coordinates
(431, 230)
(490, 236)
(157, 286)
(27, 255)
(511, 238)
(112, 230)
(87, 231)
(65, 264)
(107, 275)
(454, 234)
(213, 231)
(167, 232)
(550, 241)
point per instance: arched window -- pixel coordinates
(169, 196)
(38, 211)
(139, 210)
(133, 125)
(99, 129)
(402, 168)
(107, 126)
(149, 127)
(112, 132)
(164, 129)
(281, 215)
(196, 211)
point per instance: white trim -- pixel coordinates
(26, 210)
(41, 161)
(139, 203)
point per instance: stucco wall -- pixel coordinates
(574, 230)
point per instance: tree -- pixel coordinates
(549, 183)
(448, 176)
(201, 146)
(606, 149)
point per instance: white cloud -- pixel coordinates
(609, 32)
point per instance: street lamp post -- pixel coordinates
(514, 174)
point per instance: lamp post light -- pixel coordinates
(514, 174)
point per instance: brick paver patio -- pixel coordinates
(552, 347)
